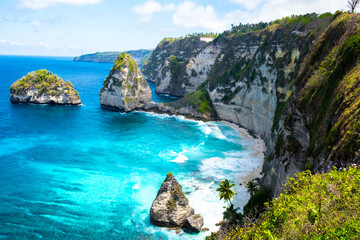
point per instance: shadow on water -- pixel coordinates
(159, 98)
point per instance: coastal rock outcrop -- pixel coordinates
(194, 223)
(43, 87)
(125, 88)
(171, 207)
(196, 105)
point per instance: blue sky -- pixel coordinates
(74, 27)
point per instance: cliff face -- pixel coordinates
(43, 87)
(295, 83)
(253, 75)
(320, 127)
(254, 82)
(125, 88)
(179, 66)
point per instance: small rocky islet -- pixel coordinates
(171, 208)
(125, 88)
(43, 87)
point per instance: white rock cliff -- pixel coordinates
(125, 88)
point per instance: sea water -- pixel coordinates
(83, 172)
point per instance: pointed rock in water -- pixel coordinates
(171, 207)
(43, 87)
(125, 88)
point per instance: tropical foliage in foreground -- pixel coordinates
(325, 206)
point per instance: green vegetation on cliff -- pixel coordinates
(329, 93)
(177, 51)
(45, 82)
(139, 56)
(122, 62)
(325, 206)
(280, 46)
(198, 100)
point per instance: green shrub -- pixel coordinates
(171, 205)
(325, 206)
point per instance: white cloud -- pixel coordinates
(6, 43)
(268, 10)
(41, 4)
(44, 45)
(35, 23)
(189, 14)
(148, 8)
(16, 44)
(249, 5)
(74, 47)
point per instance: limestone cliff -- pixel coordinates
(43, 87)
(253, 77)
(125, 88)
(179, 66)
(253, 74)
(319, 127)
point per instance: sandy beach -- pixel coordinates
(258, 148)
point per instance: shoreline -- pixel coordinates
(257, 147)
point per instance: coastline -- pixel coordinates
(257, 147)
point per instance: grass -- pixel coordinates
(200, 101)
(325, 206)
(332, 93)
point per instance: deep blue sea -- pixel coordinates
(83, 172)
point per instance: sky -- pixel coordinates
(75, 27)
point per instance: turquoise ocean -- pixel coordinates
(84, 172)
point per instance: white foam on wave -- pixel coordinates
(204, 128)
(211, 129)
(183, 155)
(204, 199)
(167, 116)
(216, 132)
(180, 159)
(208, 130)
(233, 164)
(172, 153)
(136, 186)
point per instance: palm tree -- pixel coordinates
(252, 187)
(225, 191)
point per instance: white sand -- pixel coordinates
(258, 148)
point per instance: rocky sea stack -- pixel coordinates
(171, 207)
(43, 87)
(125, 88)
